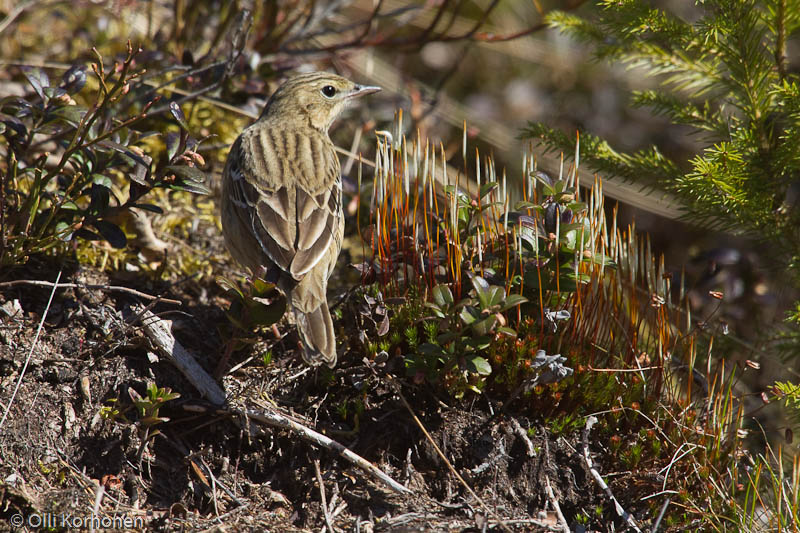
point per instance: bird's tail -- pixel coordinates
(309, 306)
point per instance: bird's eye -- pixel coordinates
(329, 91)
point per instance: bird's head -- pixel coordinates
(318, 98)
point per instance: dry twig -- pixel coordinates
(322, 498)
(113, 288)
(158, 331)
(629, 519)
(556, 506)
(30, 352)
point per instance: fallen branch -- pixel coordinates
(323, 499)
(275, 419)
(523, 435)
(629, 519)
(159, 332)
(113, 288)
(556, 506)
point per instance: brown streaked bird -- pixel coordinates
(282, 200)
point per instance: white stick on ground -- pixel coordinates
(159, 332)
(629, 519)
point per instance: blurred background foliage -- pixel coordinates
(155, 91)
(497, 66)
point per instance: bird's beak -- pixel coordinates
(362, 90)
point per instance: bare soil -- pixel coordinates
(61, 456)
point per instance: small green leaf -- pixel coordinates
(480, 284)
(485, 326)
(71, 114)
(508, 332)
(442, 296)
(496, 296)
(513, 300)
(479, 365)
(186, 172)
(466, 316)
(64, 229)
(228, 285)
(435, 308)
(192, 187)
(38, 80)
(262, 287)
(173, 141)
(487, 188)
(102, 180)
(264, 312)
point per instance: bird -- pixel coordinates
(281, 205)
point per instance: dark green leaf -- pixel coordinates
(84, 233)
(149, 207)
(176, 111)
(100, 196)
(74, 79)
(69, 113)
(265, 312)
(429, 349)
(442, 296)
(480, 284)
(53, 92)
(496, 295)
(467, 316)
(228, 285)
(127, 151)
(38, 80)
(112, 233)
(173, 142)
(513, 300)
(485, 326)
(435, 308)
(186, 173)
(192, 187)
(486, 188)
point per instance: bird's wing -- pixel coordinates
(318, 216)
(293, 200)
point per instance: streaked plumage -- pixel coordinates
(282, 200)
